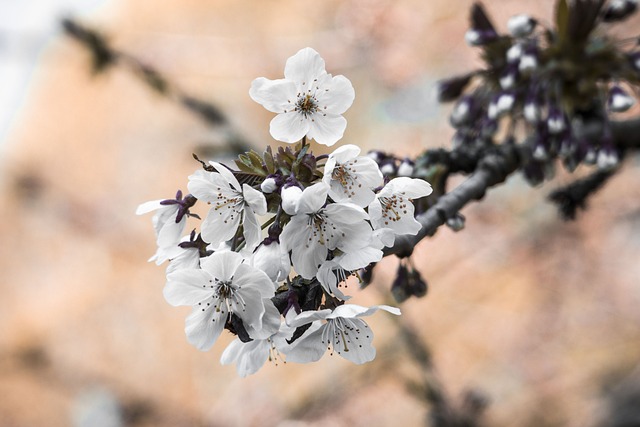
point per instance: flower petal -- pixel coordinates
(327, 129)
(148, 207)
(226, 174)
(289, 127)
(356, 346)
(251, 230)
(276, 96)
(255, 199)
(222, 265)
(305, 66)
(249, 357)
(246, 277)
(337, 96)
(187, 287)
(219, 225)
(204, 326)
(309, 347)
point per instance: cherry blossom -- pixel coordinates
(225, 285)
(316, 229)
(351, 177)
(343, 332)
(250, 356)
(231, 205)
(392, 207)
(309, 101)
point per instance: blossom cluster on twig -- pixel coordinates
(285, 231)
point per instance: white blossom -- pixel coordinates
(273, 260)
(165, 222)
(250, 356)
(351, 177)
(316, 229)
(343, 332)
(224, 285)
(309, 101)
(521, 25)
(392, 207)
(231, 205)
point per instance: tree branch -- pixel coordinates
(493, 169)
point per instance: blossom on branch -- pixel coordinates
(224, 286)
(343, 332)
(232, 205)
(309, 101)
(392, 208)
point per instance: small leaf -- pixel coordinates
(256, 160)
(268, 160)
(562, 19)
(243, 166)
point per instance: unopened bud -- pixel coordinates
(619, 10)
(619, 100)
(406, 167)
(269, 185)
(521, 25)
(456, 222)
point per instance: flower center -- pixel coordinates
(225, 290)
(346, 176)
(306, 105)
(392, 207)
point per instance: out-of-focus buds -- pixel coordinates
(521, 25)
(451, 89)
(618, 10)
(556, 121)
(619, 100)
(406, 167)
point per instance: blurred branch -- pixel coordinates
(104, 57)
(495, 166)
(443, 411)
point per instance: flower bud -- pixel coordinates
(508, 79)
(456, 222)
(290, 195)
(607, 158)
(462, 111)
(406, 167)
(521, 25)
(556, 121)
(619, 100)
(528, 61)
(452, 88)
(480, 37)
(514, 53)
(619, 10)
(388, 167)
(269, 185)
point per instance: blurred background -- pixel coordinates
(531, 318)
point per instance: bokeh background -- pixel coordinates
(535, 316)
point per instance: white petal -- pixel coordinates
(148, 207)
(204, 325)
(345, 153)
(226, 174)
(411, 187)
(251, 230)
(356, 346)
(222, 265)
(207, 186)
(360, 258)
(249, 357)
(313, 198)
(289, 127)
(353, 310)
(247, 276)
(187, 287)
(308, 317)
(219, 225)
(308, 348)
(276, 96)
(171, 231)
(271, 321)
(305, 66)
(339, 96)
(327, 129)
(255, 199)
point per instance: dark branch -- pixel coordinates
(493, 169)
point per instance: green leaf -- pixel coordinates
(256, 161)
(562, 19)
(268, 161)
(244, 167)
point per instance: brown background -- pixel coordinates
(540, 315)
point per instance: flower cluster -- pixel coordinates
(284, 232)
(550, 82)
